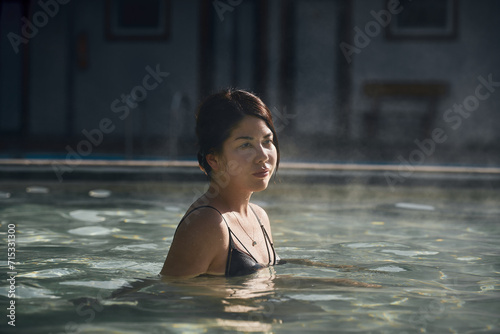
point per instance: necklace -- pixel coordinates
(253, 240)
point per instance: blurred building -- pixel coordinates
(359, 80)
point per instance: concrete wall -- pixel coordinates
(315, 46)
(10, 70)
(65, 99)
(114, 68)
(475, 52)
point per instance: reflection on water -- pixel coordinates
(248, 304)
(355, 264)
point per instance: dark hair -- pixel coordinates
(220, 113)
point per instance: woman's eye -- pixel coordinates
(246, 145)
(268, 142)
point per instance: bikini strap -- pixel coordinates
(266, 239)
(231, 233)
(197, 208)
(260, 223)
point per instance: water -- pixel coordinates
(87, 258)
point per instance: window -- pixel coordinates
(137, 19)
(424, 19)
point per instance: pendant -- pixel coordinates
(254, 243)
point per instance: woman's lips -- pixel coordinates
(262, 174)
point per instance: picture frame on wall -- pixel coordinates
(137, 20)
(424, 19)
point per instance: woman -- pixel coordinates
(222, 233)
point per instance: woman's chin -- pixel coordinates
(260, 186)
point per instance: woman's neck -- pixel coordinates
(229, 199)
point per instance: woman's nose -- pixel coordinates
(261, 154)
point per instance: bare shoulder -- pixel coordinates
(198, 245)
(260, 212)
(201, 221)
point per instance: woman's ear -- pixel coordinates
(213, 161)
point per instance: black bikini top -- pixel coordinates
(238, 262)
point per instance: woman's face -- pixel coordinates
(249, 155)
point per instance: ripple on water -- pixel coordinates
(374, 244)
(100, 193)
(136, 248)
(49, 273)
(389, 269)
(173, 208)
(414, 206)
(146, 268)
(468, 258)
(320, 297)
(96, 216)
(37, 190)
(43, 236)
(87, 216)
(91, 230)
(28, 292)
(112, 284)
(408, 253)
(113, 264)
(4, 195)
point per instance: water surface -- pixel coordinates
(88, 255)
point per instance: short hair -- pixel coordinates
(220, 113)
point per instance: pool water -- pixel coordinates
(88, 255)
